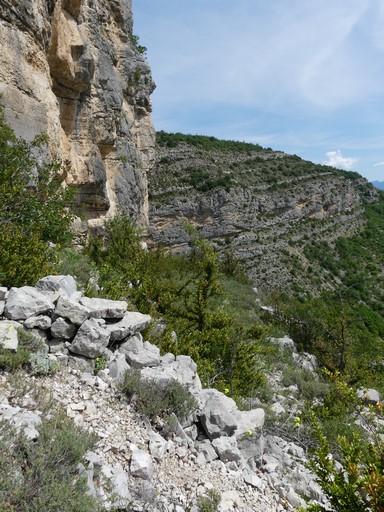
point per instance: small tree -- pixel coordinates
(33, 210)
(350, 471)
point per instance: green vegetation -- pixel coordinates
(42, 475)
(135, 43)
(209, 503)
(201, 180)
(344, 336)
(186, 293)
(33, 214)
(32, 354)
(208, 310)
(172, 140)
(348, 458)
(157, 400)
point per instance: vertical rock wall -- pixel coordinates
(71, 69)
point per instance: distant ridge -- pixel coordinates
(378, 184)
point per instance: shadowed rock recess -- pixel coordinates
(72, 69)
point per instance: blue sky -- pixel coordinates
(305, 77)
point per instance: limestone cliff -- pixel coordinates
(73, 69)
(263, 206)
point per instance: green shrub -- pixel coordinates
(135, 43)
(11, 361)
(41, 364)
(348, 463)
(32, 211)
(157, 399)
(79, 265)
(32, 354)
(42, 475)
(308, 383)
(101, 363)
(29, 341)
(209, 503)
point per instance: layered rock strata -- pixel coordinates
(263, 205)
(73, 70)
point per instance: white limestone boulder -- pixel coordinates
(182, 370)
(91, 339)
(21, 303)
(217, 414)
(368, 396)
(72, 310)
(54, 286)
(141, 464)
(42, 322)
(131, 323)
(8, 334)
(62, 328)
(104, 308)
(227, 449)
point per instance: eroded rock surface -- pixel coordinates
(256, 205)
(71, 69)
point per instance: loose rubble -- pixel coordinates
(217, 448)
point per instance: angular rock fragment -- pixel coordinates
(73, 311)
(26, 301)
(369, 396)
(118, 366)
(3, 292)
(217, 414)
(42, 322)
(62, 328)
(60, 285)
(8, 334)
(104, 308)
(148, 356)
(91, 339)
(226, 448)
(182, 370)
(141, 464)
(131, 323)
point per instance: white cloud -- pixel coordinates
(378, 164)
(336, 159)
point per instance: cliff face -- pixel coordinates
(262, 206)
(73, 70)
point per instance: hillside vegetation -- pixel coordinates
(269, 207)
(203, 302)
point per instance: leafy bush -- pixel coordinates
(209, 503)
(185, 291)
(342, 334)
(32, 353)
(42, 475)
(157, 399)
(349, 467)
(79, 265)
(11, 361)
(135, 43)
(32, 211)
(308, 383)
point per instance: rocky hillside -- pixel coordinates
(72, 69)
(81, 351)
(265, 206)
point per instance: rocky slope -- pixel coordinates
(265, 204)
(72, 69)
(158, 466)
